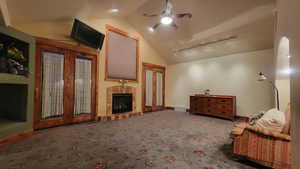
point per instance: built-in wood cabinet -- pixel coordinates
(65, 86)
(214, 105)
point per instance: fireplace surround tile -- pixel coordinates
(119, 116)
(120, 90)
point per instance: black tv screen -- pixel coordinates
(87, 35)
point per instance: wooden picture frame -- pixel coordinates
(109, 29)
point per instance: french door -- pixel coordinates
(153, 87)
(65, 87)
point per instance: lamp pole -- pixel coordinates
(277, 94)
(262, 77)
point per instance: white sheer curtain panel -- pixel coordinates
(53, 85)
(83, 86)
(159, 90)
(149, 88)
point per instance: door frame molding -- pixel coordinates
(68, 50)
(155, 68)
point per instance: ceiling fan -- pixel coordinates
(167, 16)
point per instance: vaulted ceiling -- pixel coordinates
(251, 22)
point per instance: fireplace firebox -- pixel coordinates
(121, 103)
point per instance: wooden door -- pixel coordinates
(65, 87)
(84, 92)
(153, 87)
(51, 86)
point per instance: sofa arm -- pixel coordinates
(240, 127)
(269, 133)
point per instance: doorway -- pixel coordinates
(153, 86)
(65, 84)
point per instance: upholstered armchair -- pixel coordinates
(265, 147)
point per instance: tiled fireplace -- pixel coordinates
(121, 102)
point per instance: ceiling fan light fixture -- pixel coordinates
(166, 20)
(114, 10)
(151, 29)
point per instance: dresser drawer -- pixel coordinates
(209, 110)
(220, 106)
(208, 100)
(224, 111)
(224, 107)
(224, 101)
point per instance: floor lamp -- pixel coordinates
(263, 77)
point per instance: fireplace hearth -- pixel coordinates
(121, 103)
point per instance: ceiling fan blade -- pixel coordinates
(174, 25)
(150, 15)
(183, 15)
(156, 25)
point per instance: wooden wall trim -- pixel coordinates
(121, 32)
(81, 49)
(153, 66)
(15, 138)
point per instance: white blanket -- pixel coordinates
(273, 120)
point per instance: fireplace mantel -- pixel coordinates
(120, 90)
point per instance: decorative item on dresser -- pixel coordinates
(214, 105)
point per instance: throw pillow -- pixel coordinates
(255, 118)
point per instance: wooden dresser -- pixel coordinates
(214, 105)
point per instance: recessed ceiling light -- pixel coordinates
(166, 20)
(114, 10)
(289, 56)
(150, 29)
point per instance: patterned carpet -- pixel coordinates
(158, 140)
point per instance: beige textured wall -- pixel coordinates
(60, 30)
(227, 75)
(289, 26)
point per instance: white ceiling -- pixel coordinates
(252, 21)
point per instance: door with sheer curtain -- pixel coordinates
(65, 86)
(84, 88)
(154, 87)
(52, 85)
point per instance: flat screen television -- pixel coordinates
(87, 35)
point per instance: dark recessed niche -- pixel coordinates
(13, 100)
(14, 55)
